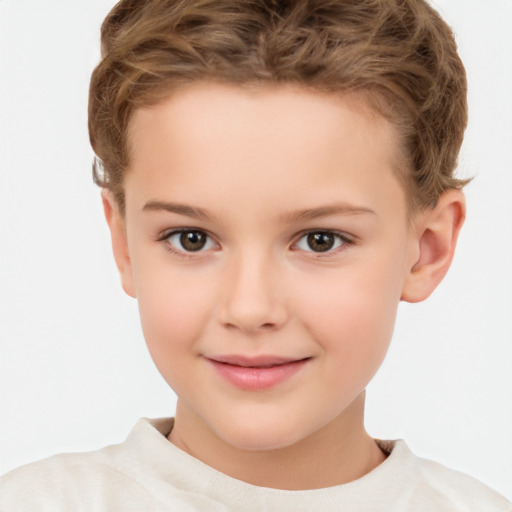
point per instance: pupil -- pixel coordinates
(320, 242)
(192, 240)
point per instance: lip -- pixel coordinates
(256, 373)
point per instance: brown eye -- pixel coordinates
(190, 240)
(321, 241)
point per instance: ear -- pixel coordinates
(436, 232)
(116, 223)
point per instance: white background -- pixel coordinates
(74, 372)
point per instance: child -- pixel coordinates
(276, 177)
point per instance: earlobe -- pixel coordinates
(437, 230)
(115, 221)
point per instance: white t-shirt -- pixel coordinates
(147, 473)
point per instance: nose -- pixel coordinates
(253, 298)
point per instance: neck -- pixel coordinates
(338, 453)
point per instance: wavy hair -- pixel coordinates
(398, 54)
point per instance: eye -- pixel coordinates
(321, 241)
(189, 240)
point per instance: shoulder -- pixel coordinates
(446, 489)
(460, 489)
(61, 482)
(100, 480)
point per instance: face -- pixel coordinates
(267, 246)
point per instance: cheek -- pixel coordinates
(173, 308)
(357, 331)
(351, 316)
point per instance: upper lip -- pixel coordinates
(255, 361)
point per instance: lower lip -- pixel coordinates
(257, 379)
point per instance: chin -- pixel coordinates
(262, 436)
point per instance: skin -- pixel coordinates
(250, 161)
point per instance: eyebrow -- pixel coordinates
(325, 211)
(181, 209)
(288, 217)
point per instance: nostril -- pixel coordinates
(267, 326)
(249, 308)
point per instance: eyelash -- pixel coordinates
(343, 240)
(182, 252)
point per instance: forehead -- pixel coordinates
(270, 112)
(275, 140)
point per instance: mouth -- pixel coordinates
(256, 373)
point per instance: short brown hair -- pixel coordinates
(399, 53)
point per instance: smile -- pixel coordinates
(256, 374)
